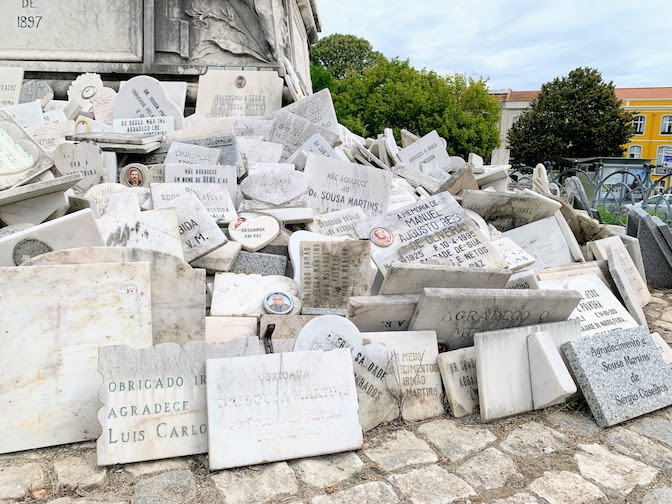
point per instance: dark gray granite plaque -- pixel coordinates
(621, 374)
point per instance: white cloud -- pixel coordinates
(519, 44)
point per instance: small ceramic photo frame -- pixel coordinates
(134, 175)
(278, 303)
(381, 237)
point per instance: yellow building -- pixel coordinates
(653, 123)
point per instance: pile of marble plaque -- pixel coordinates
(258, 283)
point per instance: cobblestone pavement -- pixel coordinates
(557, 455)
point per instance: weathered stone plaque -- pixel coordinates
(275, 188)
(416, 369)
(292, 131)
(184, 153)
(458, 373)
(214, 197)
(382, 313)
(144, 96)
(338, 223)
(202, 174)
(598, 311)
(154, 399)
(378, 390)
(621, 374)
(457, 314)
(543, 240)
(244, 295)
(281, 406)
(435, 227)
(11, 79)
(429, 155)
(49, 354)
(318, 108)
(85, 158)
(144, 125)
(331, 272)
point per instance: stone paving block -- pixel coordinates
(15, 482)
(658, 496)
(375, 492)
(655, 428)
(633, 445)
(431, 485)
(169, 487)
(581, 422)
(489, 469)
(80, 471)
(146, 468)
(563, 487)
(611, 470)
(532, 440)
(519, 498)
(245, 486)
(402, 449)
(322, 472)
(456, 441)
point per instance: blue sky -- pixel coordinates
(518, 44)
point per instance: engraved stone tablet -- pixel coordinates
(291, 131)
(144, 125)
(621, 374)
(378, 389)
(435, 227)
(26, 114)
(280, 407)
(202, 174)
(318, 108)
(85, 158)
(458, 373)
(254, 231)
(184, 153)
(244, 295)
(275, 188)
(11, 79)
(49, 354)
(333, 271)
(336, 184)
(338, 223)
(457, 314)
(144, 96)
(382, 313)
(215, 198)
(154, 399)
(429, 155)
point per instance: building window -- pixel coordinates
(515, 119)
(666, 125)
(638, 123)
(660, 154)
(635, 151)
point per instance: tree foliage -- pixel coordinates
(343, 54)
(393, 94)
(574, 116)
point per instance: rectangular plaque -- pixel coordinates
(72, 30)
(281, 407)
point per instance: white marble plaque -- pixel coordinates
(429, 155)
(244, 295)
(27, 115)
(318, 108)
(11, 79)
(144, 96)
(202, 174)
(335, 185)
(275, 188)
(598, 311)
(382, 313)
(238, 93)
(544, 241)
(85, 158)
(144, 125)
(292, 131)
(49, 382)
(154, 399)
(280, 407)
(433, 228)
(52, 135)
(338, 223)
(214, 197)
(184, 153)
(513, 254)
(458, 373)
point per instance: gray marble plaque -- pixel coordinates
(382, 313)
(281, 407)
(457, 314)
(621, 374)
(184, 153)
(293, 131)
(318, 108)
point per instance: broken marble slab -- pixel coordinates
(34, 203)
(74, 230)
(427, 153)
(177, 314)
(99, 193)
(285, 330)
(632, 245)
(21, 158)
(550, 379)
(26, 114)
(154, 399)
(152, 230)
(335, 185)
(513, 254)
(199, 232)
(503, 366)
(50, 136)
(244, 295)
(458, 373)
(50, 382)
(338, 223)
(416, 369)
(256, 263)
(665, 350)
(253, 151)
(619, 273)
(10, 230)
(292, 131)
(401, 194)
(333, 271)
(219, 260)
(285, 214)
(413, 278)
(377, 388)
(600, 268)
(275, 188)
(317, 108)
(508, 211)
(598, 310)
(224, 329)
(315, 145)
(457, 314)
(215, 198)
(435, 227)
(85, 158)
(122, 204)
(382, 313)
(299, 391)
(621, 374)
(416, 178)
(522, 280)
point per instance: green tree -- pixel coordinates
(341, 54)
(395, 95)
(574, 116)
